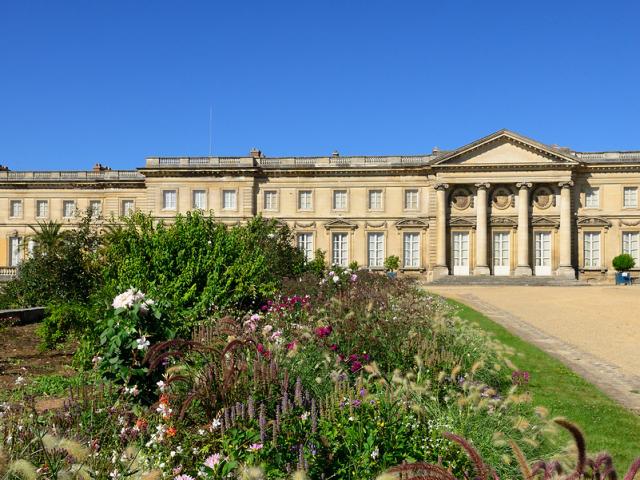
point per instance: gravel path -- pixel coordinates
(595, 330)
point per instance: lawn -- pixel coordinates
(608, 426)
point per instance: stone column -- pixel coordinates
(441, 268)
(523, 268)
(481, 230)
(565, 269)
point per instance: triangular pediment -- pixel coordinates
(593, 222)
(462, 222)
(412, 223)
(509, 149)
(340, 223)
(544, 222)
(503, 222)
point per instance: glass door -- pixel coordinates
(460, 251)
(542, 265)
(501, 253)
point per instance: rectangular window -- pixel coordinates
(199, 199)
(339, 199)
(42, 208)
(68, 208)
(592, 198)
(305, 200)
(340, 249)
(128, 206)
(376, 249)
(15, 247)
(270, 200)
(15, 209)
(630, 197)
(305, 243)
(411, 243)
(96, 208)
(631, 245)
(229, 201)
(169, 199)
(31, 246)
(592, 249)
(411, 199)
(375, 199)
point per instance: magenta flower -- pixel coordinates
(355, 366)
(322, 332)
(213, 460)
(254, 447)
(333, 347)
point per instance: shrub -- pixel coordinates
(318, 265)
(64, 321)
(392, 263)
(623, 262)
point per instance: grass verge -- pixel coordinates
(607, 425)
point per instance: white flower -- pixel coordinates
(336, 279)
(130, 297)
(161, 386)
(215, 424)
(20, 380)
(142, 343)
(304, 416)
(267, 329)
(132, 390)
(375, 453)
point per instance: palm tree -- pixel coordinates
(47, 236)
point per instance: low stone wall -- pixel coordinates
(22, 316)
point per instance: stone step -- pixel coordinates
(507, 280)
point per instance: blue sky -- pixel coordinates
(115, 81)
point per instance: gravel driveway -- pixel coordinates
(595, 330)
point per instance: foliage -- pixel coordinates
(392, 263)
(197, 264)
(623, 262)
(64, 321)
(318, 265)
(600, 467)
(64, 266)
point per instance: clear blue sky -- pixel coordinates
(115, 81)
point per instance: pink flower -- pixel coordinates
(183, 477)
(354, 277)
(322, 332)
(250, 325)
(355, 366)
(254, 447)
(291, 346)
(263, 351)
(275, 335)
(333, 347)
(213, 460)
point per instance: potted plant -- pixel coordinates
(391, 264)
(623, 263)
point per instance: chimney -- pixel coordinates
(335, 153)
(255, 153)
(98, 167)
(435, 151)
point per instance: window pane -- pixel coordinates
(15, 209)
(15, 245)
(304, 200)
(169, 199)
(199, 199)
(127, 207)
(592, 249)
(229, 199)
(592, 198)
(411, 250)
(271, 200)
(631, 245)
(411, 199)
(339, 199)
(375, 199)
(42, 208)
(96, 207)
(68, 208)
(376, 250)
(305, 243)
(630, 197)
(339, 254)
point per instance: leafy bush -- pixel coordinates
(623, 262)
(392, 263)
(196, 264)
(64, 267)
(64, 321)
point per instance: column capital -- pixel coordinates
(483, 185)
(522, 185)
(567, 184)
(441, 186)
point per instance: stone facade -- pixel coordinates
(502, 205)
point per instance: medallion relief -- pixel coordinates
(502, 198)
(461, 198)
(544, 198)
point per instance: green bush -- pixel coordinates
(623, 262)
(318, 265)
(62, 322)
(196, 265)
(391, 263)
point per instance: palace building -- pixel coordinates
(502, 205)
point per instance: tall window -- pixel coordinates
(339, 199)
(42, 208)
(270, 200)
(376, 249)
(199, 199)
(15, 245)
(305, 243)
(631, 245)
(340, 249)
(411, 199)
(169, 199)
(128, 207)
(592, 249)
(15, 209)
(229, 200)
(375, 199)
(96, 208)
(592, 198)
(411, 243)
(31, 246)
(68, 208)
(305, 200)
(630, 197)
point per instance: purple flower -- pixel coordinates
(355, 366)
(254, 447)
(213, 460)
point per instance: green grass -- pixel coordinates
(607, 425)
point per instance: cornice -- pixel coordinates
(71, 185)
